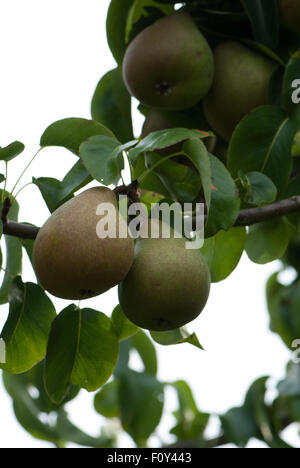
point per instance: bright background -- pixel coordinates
(53, 52)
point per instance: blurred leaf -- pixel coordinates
(264, 18)
(162, 139)
(262, 142)
(11, 151)
(291, 87)
(106, 401)
(103, 158)
(85, 356)
(146, 350)
(290, 386)
(225, 201)
(223, 252)
(268, 241)
(174, 337)
(115, 27)
(191, 423)
(70, 133)
(28, 414)
(122, 326)
(111, 105)
(283, 305)
(13, 254)
(259, 189)
(27, 328)
(2, 178)
(239, 426)
(141, 402)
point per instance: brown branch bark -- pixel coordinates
(246, 217)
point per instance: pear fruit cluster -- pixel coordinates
(70, 260)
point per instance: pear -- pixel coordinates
(290, 14)
(169, 64)
(240, 84)
(167, 286)
(70, 260)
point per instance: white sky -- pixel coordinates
(53, 54)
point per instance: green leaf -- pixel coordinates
(102, 157)
(70, 133)
(151, 182)
(11, 151)
(13, 255)
(291, 85)
(51, 191)
(197, 153)
(106, 401)
(2, 178)
(264, 18)
(146, 350)
(225, 201)
(122, 326)
(115, 27)
(239, 426)
(259, 189)
(85, 356)
(182, 181)
(162, 139)
(141, 403)
(174, 337)
(268, 241)
(262, 142)
(139, 9)
(55, 193)
(290, 386)
(191, 423)
(223, 252)
(283, 306)
(27, 328)
(111, 105)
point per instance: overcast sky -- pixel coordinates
(53, 53)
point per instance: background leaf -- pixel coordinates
(11, 151)
(111, 105)
(264, 18)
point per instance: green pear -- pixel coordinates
(240, 85)
(70, 260)
(167, 286)
(290, 14)
(169, 64)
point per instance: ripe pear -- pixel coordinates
(240, 85)
(169, 64)
(70, 260)
(290, 14)
(167, 286)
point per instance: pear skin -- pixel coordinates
(70, 260)
(167, 286)
(169, 64)
(240, 85)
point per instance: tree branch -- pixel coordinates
(266, 213)
(245, 218)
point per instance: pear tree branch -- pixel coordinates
(246, 217)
